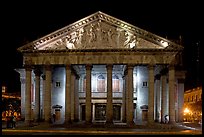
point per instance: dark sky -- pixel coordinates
(25, 21)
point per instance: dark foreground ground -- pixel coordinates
(42, 128)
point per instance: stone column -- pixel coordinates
(109, 105)
(163, 96)
(72, 95)
(124, 101)
(37, 94)
(28, 95)
(68, 95)
(88, 93)
(171, 94)
(43, 96)
(47, 98)
(23, 88)
(151, 95)
(181, 99)
(129, 94)
(76, 108)
(157, 98)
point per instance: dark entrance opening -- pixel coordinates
(83, 112)
(100, 112)
(116, 112)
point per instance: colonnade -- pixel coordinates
(127, 107)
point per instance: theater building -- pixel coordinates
(101, 69)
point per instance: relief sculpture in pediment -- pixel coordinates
(97, 35)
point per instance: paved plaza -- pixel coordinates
(101, 129)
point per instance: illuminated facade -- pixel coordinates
(193, 104)
(101, 69)
(10, 104)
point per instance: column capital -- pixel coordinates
(171, 66)
(164, 71)
(37, 71)
(89, 66)
(28, 67)
(47, 67)
(130, 66)
(108, 66)
(151, 66)
(158, 76)
(68, 66)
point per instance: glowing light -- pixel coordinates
(165, 44)
(186, 110)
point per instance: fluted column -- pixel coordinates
(68, 95)
(88, 93)
(37, 94)
(109, 106)
(28, 95)
(171, 95)
(130, 110)
(47, 98)
(151, 95)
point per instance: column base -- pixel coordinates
(88, 122)
(68, 122)
(109, 123)
(28, 123)
(130, 124)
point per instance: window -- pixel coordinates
(144, 84)
(116, 85)
(101, 83)
(57, 84)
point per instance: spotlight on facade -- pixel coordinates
(165, 44)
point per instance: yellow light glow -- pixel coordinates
(186, 110)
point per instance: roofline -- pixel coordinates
(94, 17)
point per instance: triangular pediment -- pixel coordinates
(99, 31)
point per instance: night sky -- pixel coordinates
(26, 21)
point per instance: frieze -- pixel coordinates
(108, 58)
